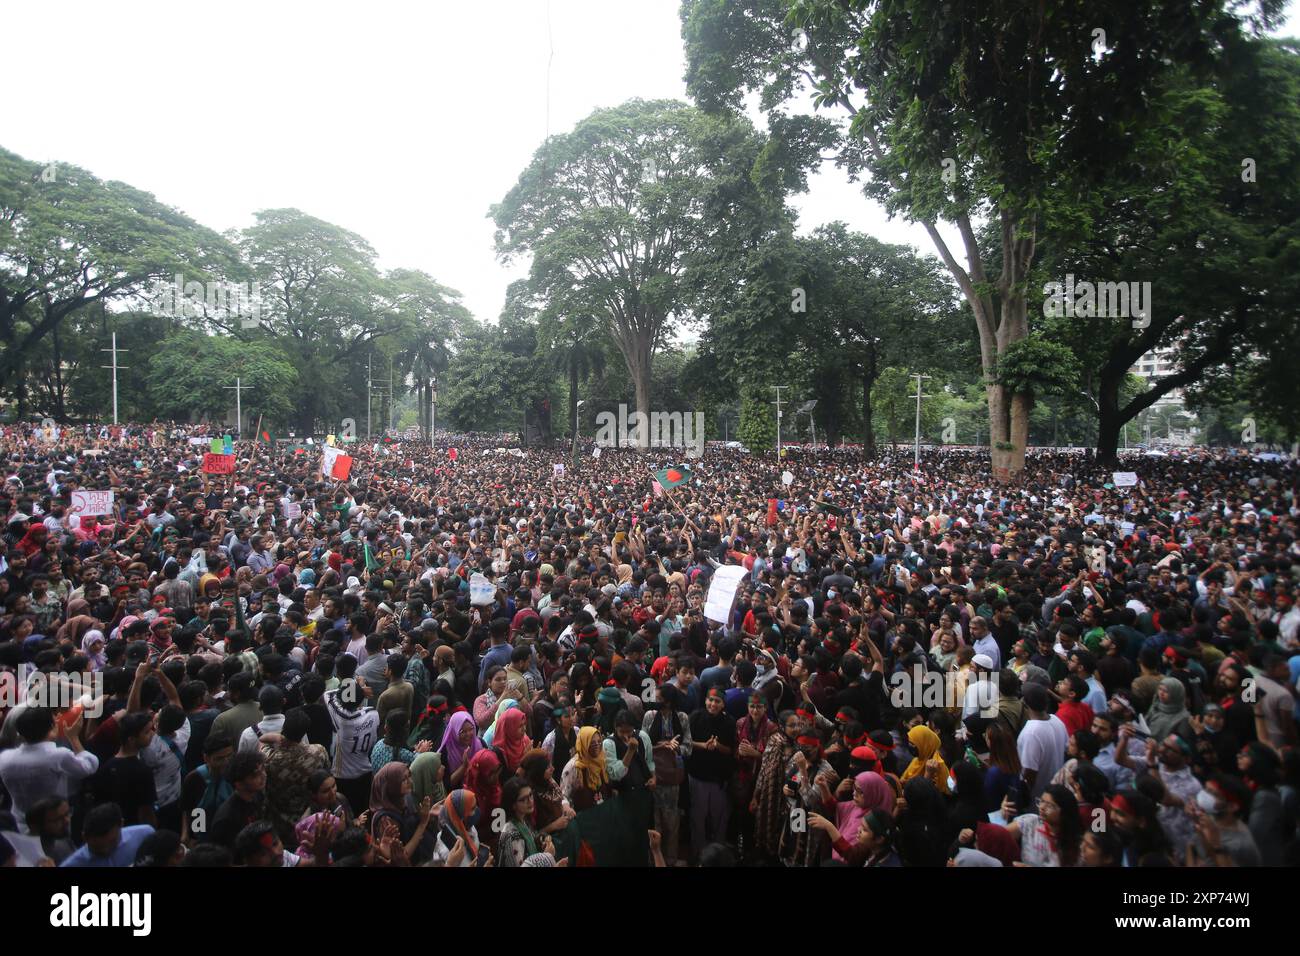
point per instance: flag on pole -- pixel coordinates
(335, 464)
(266, 437)
(673, 476)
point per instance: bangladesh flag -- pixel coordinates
(673, 476)
(266, 437)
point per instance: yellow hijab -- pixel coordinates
(926, 742)
(591, 770)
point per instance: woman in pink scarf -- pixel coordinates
(870, 792)
(511, 739)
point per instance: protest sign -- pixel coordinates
(91, 503)
(218, 464)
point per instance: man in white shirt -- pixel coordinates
(1042, 741)
(38, 767)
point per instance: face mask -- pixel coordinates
(1206, 801)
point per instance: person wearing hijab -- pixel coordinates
(426, 778)
(1168, 713)
(511, 740)
(92, 645)
(927, 761)
(459, 745)
(922, 825)
(870, 792)
(396, 830)
(314, 833)
(483, 779)
(585, 780)
(460, 815)
(503, 706)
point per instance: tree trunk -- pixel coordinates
(573, 407)
(639, 367)
(1109, 422)
(868, 429)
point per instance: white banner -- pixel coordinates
(595, 453)
(91, 503)
(722, 592)
(1124, 479)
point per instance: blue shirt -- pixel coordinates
(499, 654)
(123, 855)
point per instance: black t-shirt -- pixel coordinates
(321, 730)
(200, 727)
(235, 814)
(711, 766)
(127, 782)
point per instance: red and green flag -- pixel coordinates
(266, 436)
(672, 476)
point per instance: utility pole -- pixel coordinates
(369, 384)
(239, 406)
(390, 392)
(778, 388)
(114, 367)
(916, 460)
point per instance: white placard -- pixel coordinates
(722, 592)
(787, 478)
(90, 503)
(1124, 479)
(559, 470)
(481, 591)
(595, 452)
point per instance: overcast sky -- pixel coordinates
(401, 121)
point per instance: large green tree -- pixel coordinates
(625, 218)
(189, 373)
(69, 240)
(999, 111)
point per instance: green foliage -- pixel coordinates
(188, 373)
(1037, 366)
(69, 240)
(757, 429)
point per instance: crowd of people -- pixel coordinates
(466, 656)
